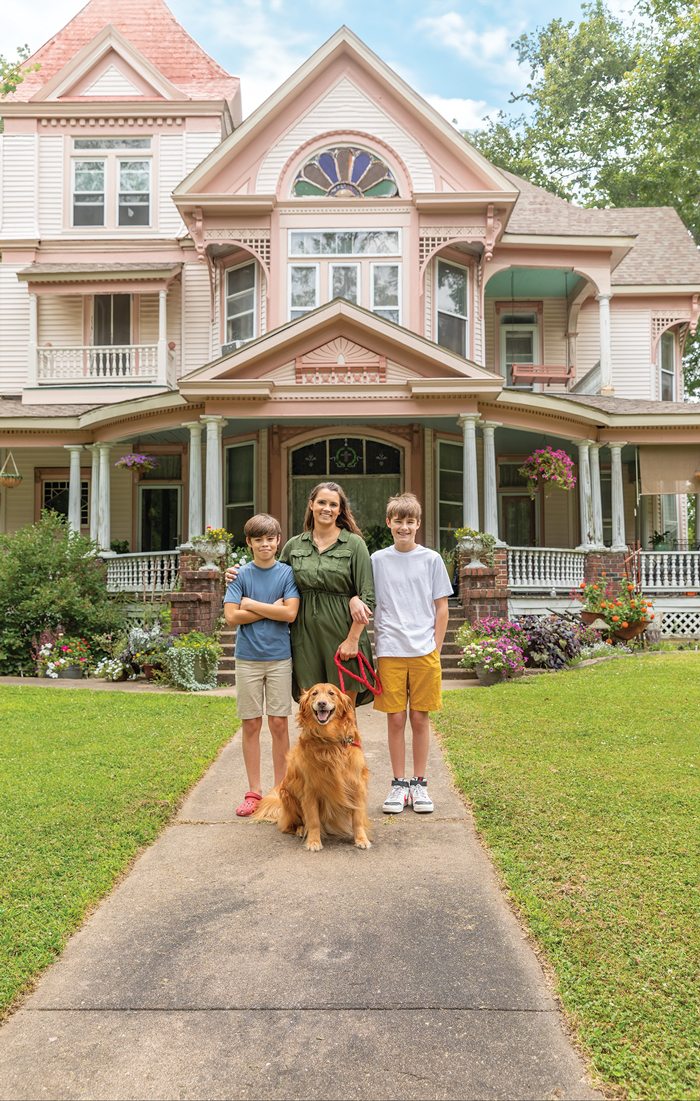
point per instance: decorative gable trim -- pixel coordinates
(79, 66)
(112, 82)
(340, 360)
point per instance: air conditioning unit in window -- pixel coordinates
(232, 345)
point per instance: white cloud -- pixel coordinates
(465, 114)
(489, 50)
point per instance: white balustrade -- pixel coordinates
(154, 572)
(544, 568)
(664, 571)
(86, 364)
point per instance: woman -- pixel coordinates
(333, 573)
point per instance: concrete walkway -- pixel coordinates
(231, 964)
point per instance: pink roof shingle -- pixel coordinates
(151, 27)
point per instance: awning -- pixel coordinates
(669, 469)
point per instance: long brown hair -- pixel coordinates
(345, 517)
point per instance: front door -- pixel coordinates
(160, 511)
(518, 520)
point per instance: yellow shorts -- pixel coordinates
(410, 682)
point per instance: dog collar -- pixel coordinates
(351, 741)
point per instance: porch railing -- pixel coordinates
(86, 364)
(664, 571)
(147, 574)
(544, 569)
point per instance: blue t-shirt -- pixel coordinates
(266, 639)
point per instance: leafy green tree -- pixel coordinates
(11, 70)
(609, 116)
(50, 579)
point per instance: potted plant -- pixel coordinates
(550, 467)
(623, 609)
(493, 659)
(192, 662)
(136, 462)
(476, 544)
(660, 541)
(66, 658)
(212, 546)
(144, 649)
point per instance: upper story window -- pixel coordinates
(452, 288)
(345, 171)
(667, 366)
(346, 266)
(240, 303)
(111, 182)
(519, 340)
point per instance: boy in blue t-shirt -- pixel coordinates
(261, 603)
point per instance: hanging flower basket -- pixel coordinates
(10, 476)
(549, 468)
(139, 464)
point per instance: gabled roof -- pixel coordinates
(152, 29)
(345, 43)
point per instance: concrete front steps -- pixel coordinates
(450, 651)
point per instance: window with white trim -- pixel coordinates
(667, 366)
(347, 266)
(303, 289)
(111, 182)
(240, 488)
(519, 343)
(452, 288)
(240, 305)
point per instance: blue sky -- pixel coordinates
(457, 55)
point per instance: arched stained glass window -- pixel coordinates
(345, 172)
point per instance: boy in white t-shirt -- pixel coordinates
(410, 620)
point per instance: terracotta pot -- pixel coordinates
(589, 617)
(149, 670)
(624, 634)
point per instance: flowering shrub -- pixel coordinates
(135, 461)
(620, 606)
(547, 465)
(65, 651)
(112, 669)
(213, 536)
(551, 642)
(498, 655)
(239, 556)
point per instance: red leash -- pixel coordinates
(375, 687)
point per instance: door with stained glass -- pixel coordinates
(369, 471)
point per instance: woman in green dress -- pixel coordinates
(333, 573)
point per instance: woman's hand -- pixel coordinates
(359, 612)
(347, 649)
(231, 574)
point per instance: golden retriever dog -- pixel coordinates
(324, 791)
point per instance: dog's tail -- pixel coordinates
(269, 808)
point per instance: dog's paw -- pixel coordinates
(313, 846)
(363, 843)
(300, 831)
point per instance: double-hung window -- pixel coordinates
(667, 366)
(519, 342)
(111, 181)
(240, 303)
(362, 266)
(452, 287)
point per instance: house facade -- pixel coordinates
(338, 287)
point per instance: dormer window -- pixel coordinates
(345, 172)
(111, 182)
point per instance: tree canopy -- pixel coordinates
(11, 70)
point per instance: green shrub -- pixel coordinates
(50, 581)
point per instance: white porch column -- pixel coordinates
(470, 484)
(618, 502)
(94, 491)
(697, 520)
(606, 381)
(33, 347)
(597, 497)
(195, 526)
(584, 495)
(103, 501)
(74, 486)
(490, 479)
(162, 342)
(214, 505)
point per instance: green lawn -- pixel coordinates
(86, 780)
(585, 787)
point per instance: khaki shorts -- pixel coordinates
(410, 682)
(263, 688)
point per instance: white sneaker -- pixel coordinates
(397, 798)
(418, 796)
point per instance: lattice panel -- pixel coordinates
(258, 239)
(431, 240)
(680, 624)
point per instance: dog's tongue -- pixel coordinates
(323, 714)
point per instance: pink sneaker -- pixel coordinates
(250, 802)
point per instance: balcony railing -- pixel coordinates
(88, 364)
(145, 574)
(544, 569)
(670, 571)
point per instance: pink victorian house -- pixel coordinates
(338, 286)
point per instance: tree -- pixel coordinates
(11, 71)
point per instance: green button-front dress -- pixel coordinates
(326, 582)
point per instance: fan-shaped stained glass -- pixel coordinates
(345, 172)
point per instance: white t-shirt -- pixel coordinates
(406, 583)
